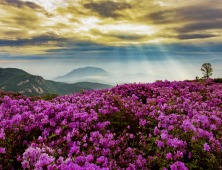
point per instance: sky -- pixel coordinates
(147, 39)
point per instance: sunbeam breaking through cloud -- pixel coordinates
(166, 37)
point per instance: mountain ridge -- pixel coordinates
(81, 73)
(19, 81)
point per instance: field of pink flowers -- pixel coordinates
(161, 125)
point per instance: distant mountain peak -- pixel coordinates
(81, 73)
(89, 67)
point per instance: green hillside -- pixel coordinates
(5, 73)
(19, 81)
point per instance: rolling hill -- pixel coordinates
(19, 81)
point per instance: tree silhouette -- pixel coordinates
(207, 70)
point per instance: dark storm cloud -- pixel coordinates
(188, 22)
(200, 13)
(128, 37)
(72, 47)
(161, 17)
(23, 20)
(14, 33)
(38, 40)
(185, 14)
(200, 26)
(107, 9)
(20, 4)
(194, 36)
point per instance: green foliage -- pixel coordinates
(201, 80)
(207, 70)
(218, 80)
(18, 96)
(120, 119)
(15, 146)
(82, 91)
(49, 96)
(95, 86)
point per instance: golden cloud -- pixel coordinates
(28, 24)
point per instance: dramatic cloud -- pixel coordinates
(201, 26)
(195, 36)
(27, 5)
(20, 4)
(107, 8)
(119, 34)
(185, 14)
(38, 40)
(74, 27)
(200, 20)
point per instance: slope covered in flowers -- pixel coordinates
(162, 125)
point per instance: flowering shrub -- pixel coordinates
(162, 125)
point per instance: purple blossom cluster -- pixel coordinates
(161, 125)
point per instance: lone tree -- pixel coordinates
(207, 70)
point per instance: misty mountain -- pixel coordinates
(82, 73)
(19, 81)
(99, 75)
(93, 79)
